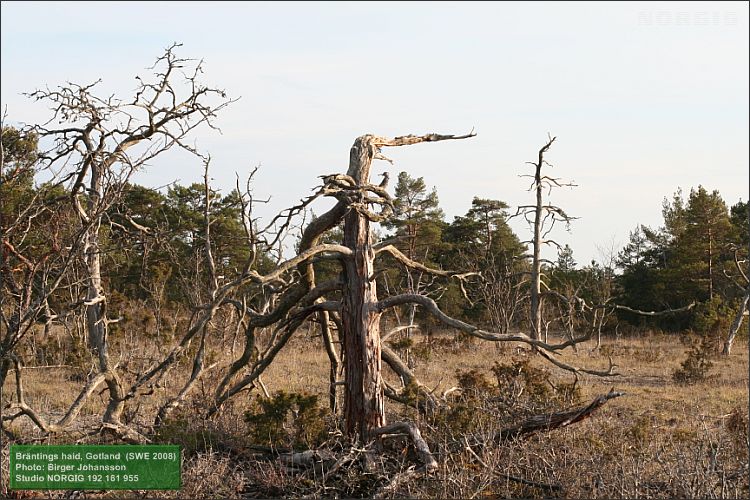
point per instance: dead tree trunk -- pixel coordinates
(97, 322)
(536, 263)
(363, 397)
(364, 409)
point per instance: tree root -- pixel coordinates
(334, 468)
(345, 469)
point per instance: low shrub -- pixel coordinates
(698, 362)
(287, 420)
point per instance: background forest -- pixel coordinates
(691, 259)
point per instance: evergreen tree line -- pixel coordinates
(692, 258)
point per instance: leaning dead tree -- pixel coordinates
(743, 283)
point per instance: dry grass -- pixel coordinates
(661, 440)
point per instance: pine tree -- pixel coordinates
(417, 225)
(682, 262)
(482, 241)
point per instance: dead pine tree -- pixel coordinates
(360, 308)
(363, 403)
(542, 218)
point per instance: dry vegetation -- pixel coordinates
(662, 440)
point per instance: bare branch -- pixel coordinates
(648, 313)
(398, 255)
(407, 140)
(429, 305)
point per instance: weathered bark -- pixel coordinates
(726, 351)
(95, 320)
(364, 408)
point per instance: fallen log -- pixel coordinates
(548, 422)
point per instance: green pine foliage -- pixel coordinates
(689, 259)
(287, 420)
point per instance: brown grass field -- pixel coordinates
(660, 440)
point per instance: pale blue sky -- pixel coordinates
(643, 97)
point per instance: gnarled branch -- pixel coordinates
(431, 306)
